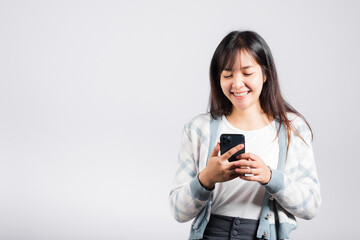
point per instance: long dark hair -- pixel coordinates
(271, 100)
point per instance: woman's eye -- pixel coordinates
(227, 76)
(247, 74)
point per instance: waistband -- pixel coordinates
(232, 228)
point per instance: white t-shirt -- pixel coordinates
(240, 198)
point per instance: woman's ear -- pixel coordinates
(264, 78)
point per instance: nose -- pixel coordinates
(238, 82)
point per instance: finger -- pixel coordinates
(232, 151)
(249, 178)
(236, 164)
(249, 156)
(231, 166)
(246, 163)
(243, 171)
(215, 151)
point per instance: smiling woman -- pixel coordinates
(243, 83)
(259, 195)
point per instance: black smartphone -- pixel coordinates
(228, 141)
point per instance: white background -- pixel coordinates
(94, 95)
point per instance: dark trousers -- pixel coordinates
(230, 228)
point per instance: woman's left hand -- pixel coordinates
(250, 163)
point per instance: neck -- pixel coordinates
(249, 119)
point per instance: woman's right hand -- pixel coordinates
(219, 169)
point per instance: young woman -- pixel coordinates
(259, 195)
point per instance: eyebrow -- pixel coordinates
(245, 67)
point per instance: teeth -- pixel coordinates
(240, 94)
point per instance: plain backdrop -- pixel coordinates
(94, 96)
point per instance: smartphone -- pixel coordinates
(228, 141)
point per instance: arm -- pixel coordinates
(297, 188)
(187, 196)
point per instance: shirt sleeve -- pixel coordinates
(187, 196)
(297, 188)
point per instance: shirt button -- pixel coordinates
(237, 222)
(268, 216)
(272, 198)
(234, 232)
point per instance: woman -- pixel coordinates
(259, 195)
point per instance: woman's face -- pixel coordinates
(243, 83)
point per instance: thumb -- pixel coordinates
(216, 150)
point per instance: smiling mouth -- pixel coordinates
(240, 94)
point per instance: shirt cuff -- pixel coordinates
(276, 182)
(198, 191)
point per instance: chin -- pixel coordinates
(241, 107)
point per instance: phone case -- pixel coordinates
(228, 141)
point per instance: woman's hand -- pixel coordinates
(249, 163)
(219, 169)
